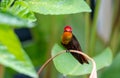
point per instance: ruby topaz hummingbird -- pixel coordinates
(70, 42)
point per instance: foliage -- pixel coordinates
(70, 66)
(11, 53)
(114, 67)
(56, 7)
(46, 19)
(13, 20)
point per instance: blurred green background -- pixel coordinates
(30, 28)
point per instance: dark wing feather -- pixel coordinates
(76, 45)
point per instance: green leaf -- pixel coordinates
(6, 3)
(114, 70)
(22, 10)
(68, 65)
(12, 55)
(8, 18)
(56, 7)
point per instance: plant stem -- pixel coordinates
(94, 28)
(49, 60)
(1, 71)
(114, 40)
(93, 73)
(87, 30)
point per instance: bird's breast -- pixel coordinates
(66, 37)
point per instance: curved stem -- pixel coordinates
(93, 73)
(49, 60)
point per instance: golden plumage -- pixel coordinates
(66, 37)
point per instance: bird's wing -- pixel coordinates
(76, 43)
(79, 57)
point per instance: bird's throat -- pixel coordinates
(66, 37)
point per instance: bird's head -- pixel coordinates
(67, 35)
(67, 29)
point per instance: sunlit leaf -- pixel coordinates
(6, 18)
(6, 3)
(22, 10)
(56, 7)
(68, 65)
(12, 55)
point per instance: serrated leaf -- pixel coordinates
(6, 18)
(5, 3)
(12, 55)
(56, 7)
(68, 65)
(21, 9)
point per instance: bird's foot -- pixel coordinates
(67, 51)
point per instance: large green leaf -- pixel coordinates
(12, 55)
(56, 7)
(13, 20)
(114, 70)
(68, 65)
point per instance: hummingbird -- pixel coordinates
(70, 42)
